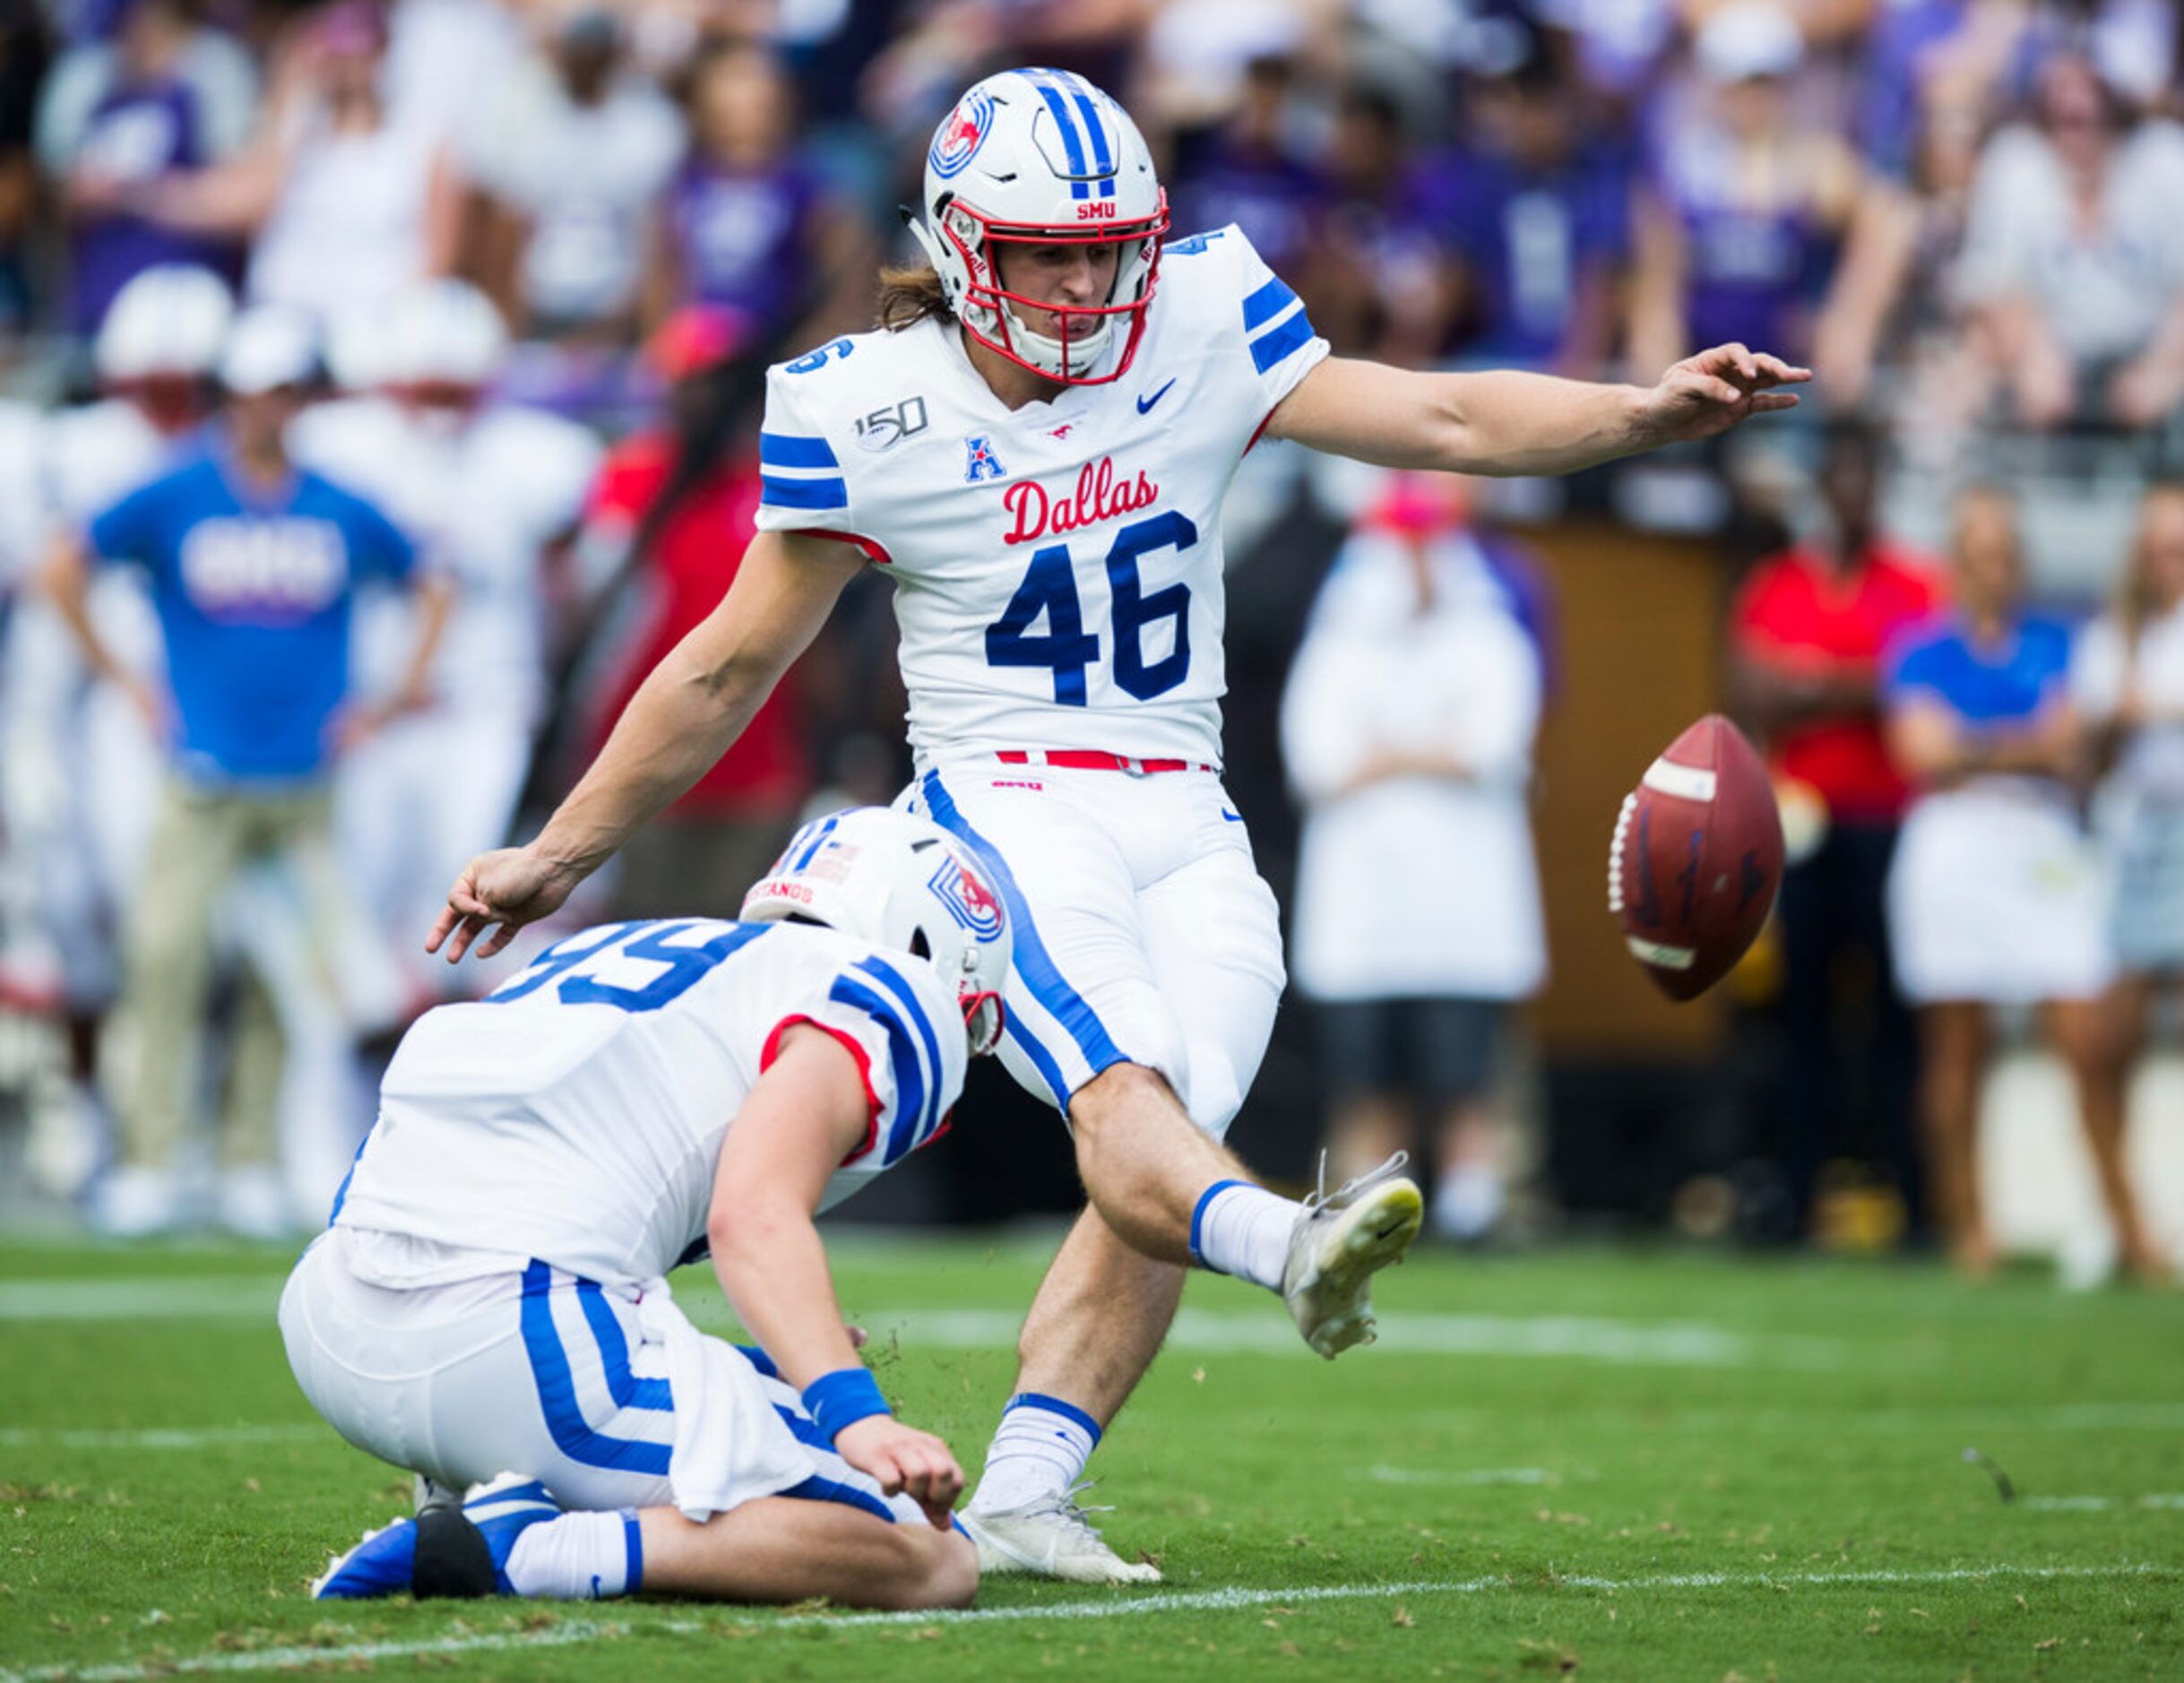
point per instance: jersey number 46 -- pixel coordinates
(1065, 648)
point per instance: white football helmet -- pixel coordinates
(171, 319)
(1043, 158)
(901, 883)
(445, 334)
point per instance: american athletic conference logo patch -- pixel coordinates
(959, 135)
(969, 900)
(979, 461)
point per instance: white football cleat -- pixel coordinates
(1341, 1241)
(1051, 1536)
(135, 1204)
(252, 1203)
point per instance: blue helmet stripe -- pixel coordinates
(1073, 142)
(818, 833)
(1103, 162)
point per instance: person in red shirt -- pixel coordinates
(1806, 636)
(676, 505)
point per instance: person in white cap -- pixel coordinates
(1035, 446)
(254, 566)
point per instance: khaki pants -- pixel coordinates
(201, 839)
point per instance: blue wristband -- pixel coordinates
(843, 1398)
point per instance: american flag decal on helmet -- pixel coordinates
(968, 899)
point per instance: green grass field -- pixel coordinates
(1620, 1466)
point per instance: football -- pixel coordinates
(1697, 858)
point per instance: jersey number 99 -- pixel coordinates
(1066, 649)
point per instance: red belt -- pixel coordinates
(1092, 760)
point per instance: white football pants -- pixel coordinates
(1143, 933)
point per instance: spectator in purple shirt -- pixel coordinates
(746, 224)
(1737, 231)
(1536, 212)
(1248, 171)
(164, 99)
(1389, 289)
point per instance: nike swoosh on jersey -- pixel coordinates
(1144, 404)
(1233, 817)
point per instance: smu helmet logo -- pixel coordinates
(961, 134)
(969, 900)
(983, 463)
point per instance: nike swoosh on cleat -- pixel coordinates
(1144, 404)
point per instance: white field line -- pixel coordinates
(249, 1298)
(1115, 1607)
(1467, 1475)
(1663, 1343)
(2101, 1504)
(2054, 1417)
(160, 1438)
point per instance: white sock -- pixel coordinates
(1467, 1203)
(578, 1557)
(1039, 1448)
(1242, 1230)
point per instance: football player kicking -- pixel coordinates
(489, 1295)
(1035, 448)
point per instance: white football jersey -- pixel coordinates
(22, 534)
(1058, 568)
(484, 500)
(575, 1114)
(95, 456)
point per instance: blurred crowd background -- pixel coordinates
(509, 272)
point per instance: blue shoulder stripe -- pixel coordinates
(1280, 343)
(803, 493)
(892, 980)
(902, 1056)
(1268, 302)
(788, 450)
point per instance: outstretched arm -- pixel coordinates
(1508, 422)
(683, 718)
(806, 1114)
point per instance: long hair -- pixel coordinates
(2133, 604)
(911, 293)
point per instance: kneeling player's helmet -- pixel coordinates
(1043, 158)
(903, 883)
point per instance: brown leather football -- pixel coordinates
(1697, 858)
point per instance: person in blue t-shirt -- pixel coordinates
(1995, 896)
(254, 567)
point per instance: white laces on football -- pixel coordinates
(1319, 1198)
